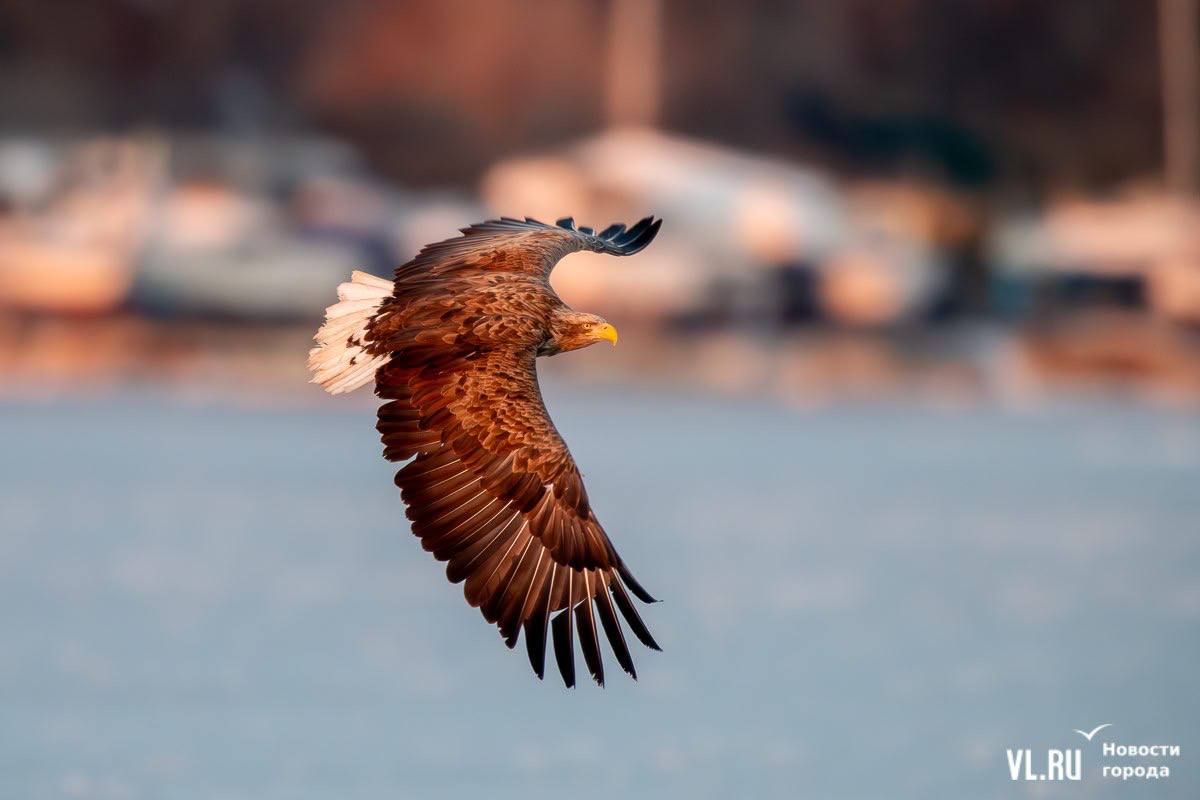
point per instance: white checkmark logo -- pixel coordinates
(1093, 732)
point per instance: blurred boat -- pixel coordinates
(49, 274)
(217, 252)
(746, 236)
(75, 220)
(1140, 251)
(730, 218)
(878, 282)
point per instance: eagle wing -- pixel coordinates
(493, 490)
(527, 246)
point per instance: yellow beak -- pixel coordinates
(607, 332)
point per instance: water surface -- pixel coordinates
(861, 602)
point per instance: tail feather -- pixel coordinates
(340, 362)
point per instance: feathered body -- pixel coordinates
(490, 485)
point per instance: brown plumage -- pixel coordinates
(490, 485)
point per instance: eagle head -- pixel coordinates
(571, 330)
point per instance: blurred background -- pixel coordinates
(903, 425)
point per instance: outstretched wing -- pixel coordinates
(527, 246)
(492, 490)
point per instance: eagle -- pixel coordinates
(488, 483)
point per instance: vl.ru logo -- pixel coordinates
(1059, 765)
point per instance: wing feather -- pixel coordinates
(536, 624)
(564, 637)
(631, 616)
(612, 629)
(589, 642)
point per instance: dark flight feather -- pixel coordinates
(564, 638)
(589, 642)
(612, 629)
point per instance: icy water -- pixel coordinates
(863, 602)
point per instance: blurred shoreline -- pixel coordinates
(1103, 355)
(198, 266)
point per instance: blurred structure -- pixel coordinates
(634, 63)
(1179, 36)
(750, 237)
(1139, 251)
(985, 93)
(196, 226)
(264, 243)
(730, 216)
(73, 220)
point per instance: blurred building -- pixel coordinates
(436, 91)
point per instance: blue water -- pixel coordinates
(861, 602)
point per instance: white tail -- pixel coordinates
(339, 362)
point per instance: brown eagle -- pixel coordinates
(489, 484)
